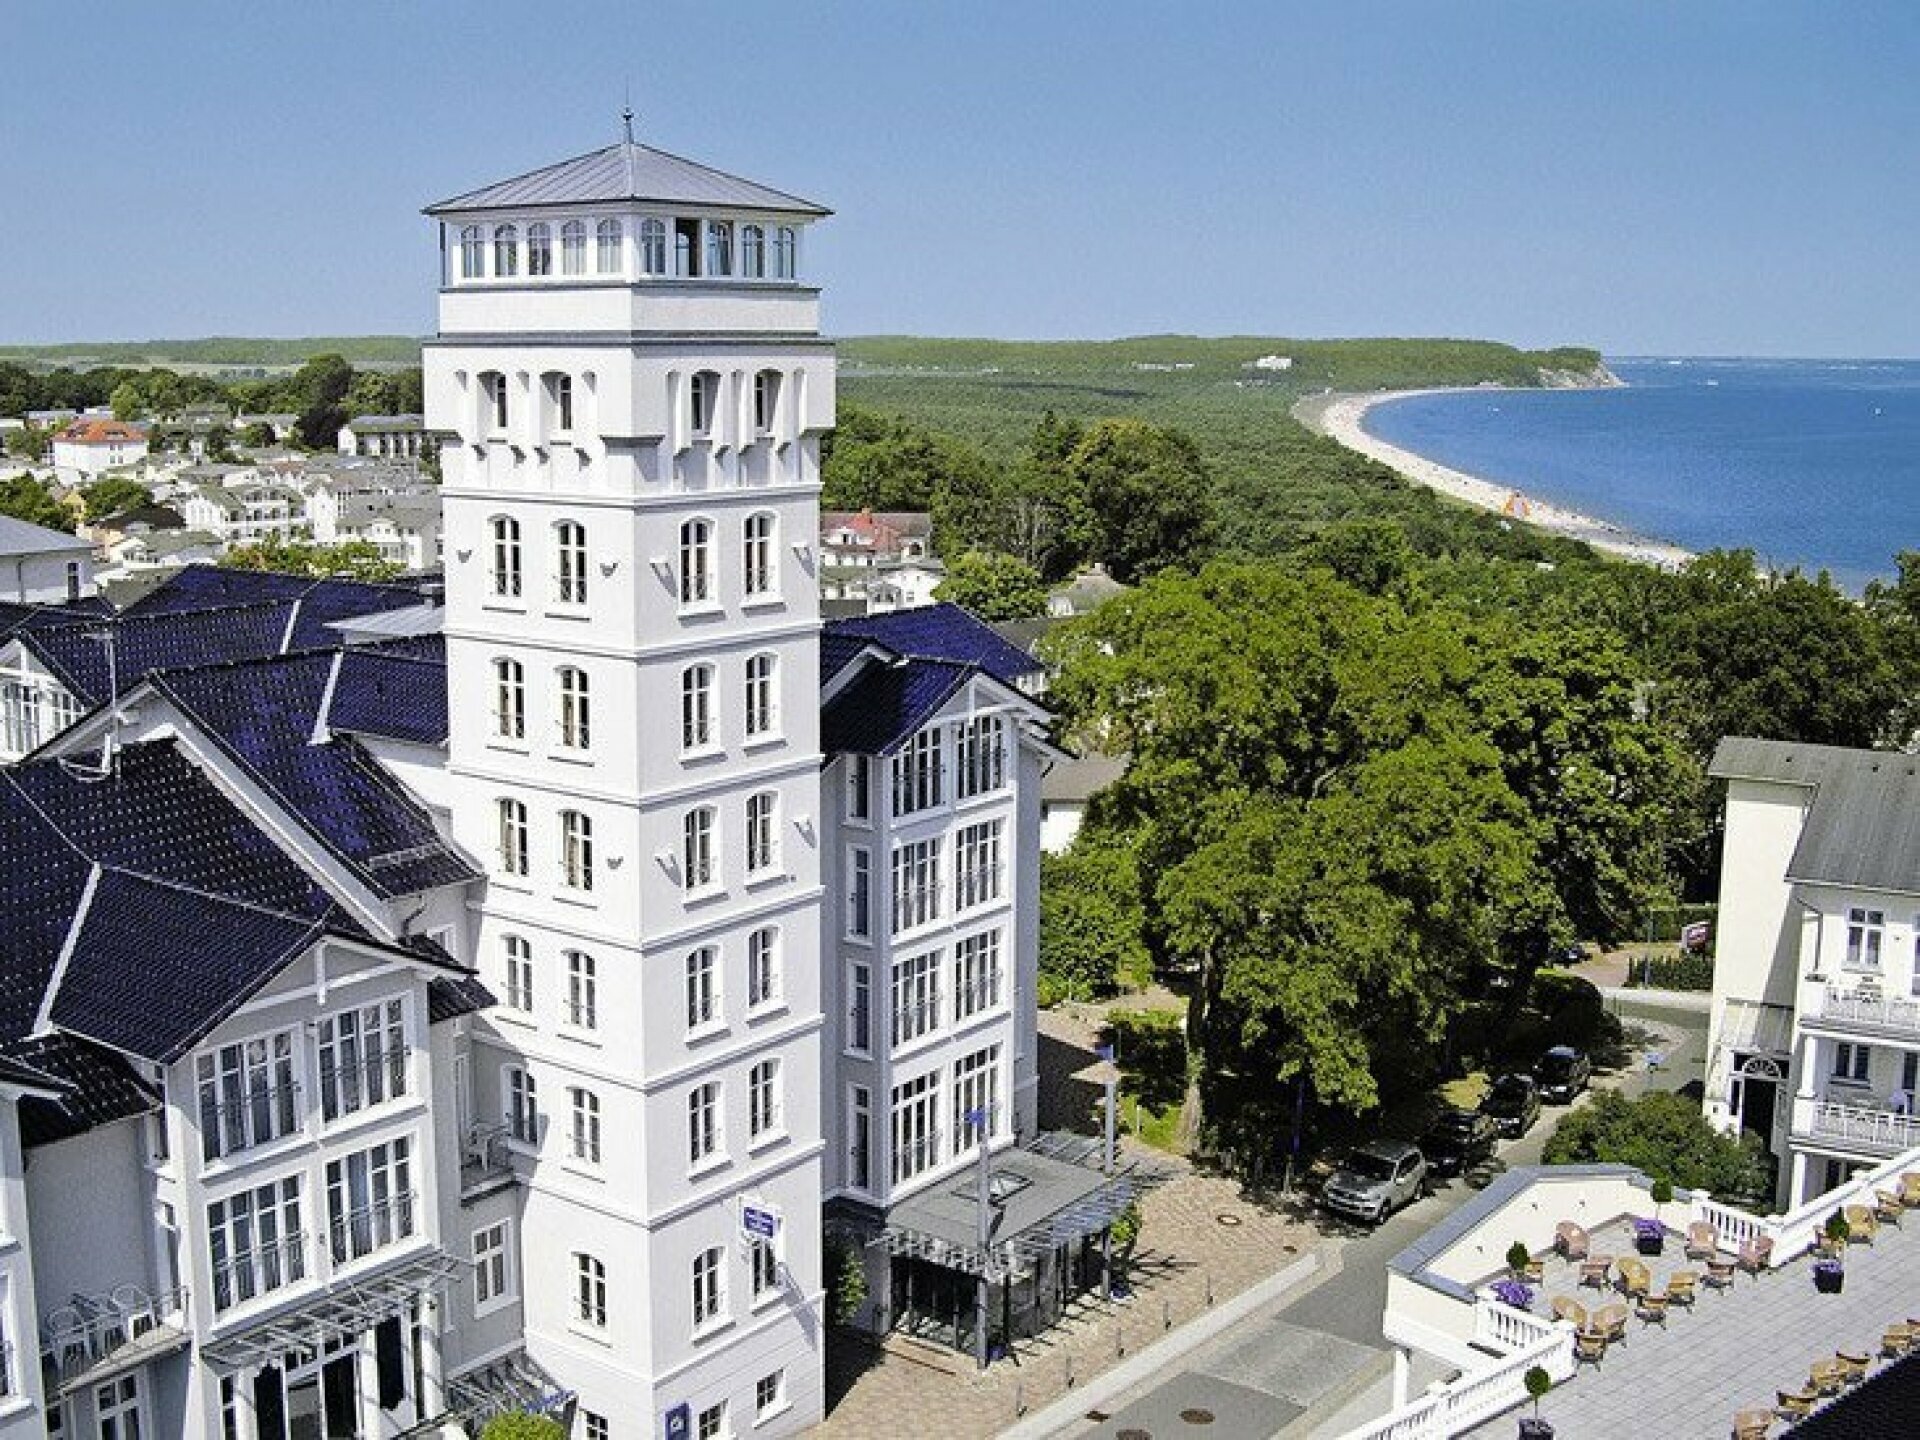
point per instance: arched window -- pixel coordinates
(786, 244)
(757, 554)
(704, 395)
(509, 700)
(696, 562)
(506, 250)
(762, 832)
(696, 707)
(761, 710)
(763, 967)
(570, 562)
(506, 556)
(606, 241)
(653, 246)
(583, 990)
(573, 248)
(591, 1291)
(719, 247)
(523, 1106)
(576, 713)
(697, 869)
(753, 252)
(766, 400)
(473, 253)
(583, 1137)
(513, 837)
(519, 955)
(576, 850)
(539, 250)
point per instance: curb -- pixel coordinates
(1072, 1407)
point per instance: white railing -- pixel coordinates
(1862, 1126)
(1868, 1009)
(1478, 1395)
(1499, 1326)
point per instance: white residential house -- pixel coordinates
(86, 446)
(238, 504)
(384, 437)
(40, 566)
(1815, 1039)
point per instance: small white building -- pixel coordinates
(87, 446)
(385, 437)
(39, 566)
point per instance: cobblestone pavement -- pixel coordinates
(1202, 1239)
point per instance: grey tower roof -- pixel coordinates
(1862, 830)
(622, 172)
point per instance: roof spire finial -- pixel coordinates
(626, 120)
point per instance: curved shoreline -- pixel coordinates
(1341, 417)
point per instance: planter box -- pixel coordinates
(1531, 1429)
(1650, 1244)
(1829, 1282)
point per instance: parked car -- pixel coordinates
(1457, 1141)
(1375, 1180)
(1513, 1104)
(1563, 1073)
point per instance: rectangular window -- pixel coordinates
(697, 847)
(370, 1200)
(761, 832)
(583, 1138)
(703, 1123)
(256, 1243)
(709, 1286)
(859, 892)
(761, 706)
(247, 1094)
(513, 837)
(703, 988)
(763, 968)
(363, 1058)
(976, 974)
(696, 707)
(492, 1278)
(918, 773)
(519, 973)
(860, 789)
(763, 1099)
(769, 1393)
(763, 1266)
(583, 991)
(976, 869)
(1851, 1062)
(593, 1427)
(860, 1142)
(573, 248)
(712, 1424)
(916, 884)
(590, 1291)
(981, 759)
(576, 850)
(916, 997)
(916, 1128)
(1865, 928)
(860, 1010)
(495, 386)
(523, 1106)
(560, 394)
(117, 1408)
(976, 1092)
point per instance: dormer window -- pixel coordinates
(753, 252)
(573, 248)
(506, 251)
(473, 253)
(606, 236)
(719, 247)
(539, 250)
(786, 245)
(653, 246)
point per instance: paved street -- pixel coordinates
(1318, 1358)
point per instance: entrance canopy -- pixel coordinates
(1042, 1197)
(349, 1311)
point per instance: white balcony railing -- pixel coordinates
(91, 1329)
(1857, 1127)
(1867, 1010)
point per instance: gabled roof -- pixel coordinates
(322, 601)
(395, 691)
(77, 653)
(623, 172)
(1862, 830)
(942, 632)
(18, 537)
(886, 703)
(15, 617)
(96, 1087)
(264, 716)
(89, 430)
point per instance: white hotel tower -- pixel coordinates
(630, 374)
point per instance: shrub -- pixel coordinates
(846, 1281)
(1663, 1134)
(1519, 1257)
(1676, 972)
(1150, 1047)
(519, 1425)
(1126, 1226)
(1575, 1011)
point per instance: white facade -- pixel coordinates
(87, 448)
(1815, 1038)
(630, 494)
(39, 566)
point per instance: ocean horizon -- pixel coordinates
(1811, 464)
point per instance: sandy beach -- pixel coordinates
(1341, 417)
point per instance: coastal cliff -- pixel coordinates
(1589, 377)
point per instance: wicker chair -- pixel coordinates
(1756, 1255)
(1635, 1278)
(1794, 1404)
(1752, 1424)
(1589, 1347)
(1594, 1271)
(1703, 1240)
(1652, 1310)
(1574, 1313)
(1570, 1240)
(1887, 1207)
(1719, 1275)
(1861, 1225)
(1853, 1366)
(1910, 1189)
(1895, 1339)
(1680, 1287)
(1825, 1377)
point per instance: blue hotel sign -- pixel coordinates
(679, 1422)
(759, 1222)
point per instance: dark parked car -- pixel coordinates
(1563, 1073)
(1457, 1141)
(1375, 1180)
(1513, 1104)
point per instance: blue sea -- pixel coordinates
(1809, 463)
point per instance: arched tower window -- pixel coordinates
(719, 247)
(696, 562)
(753, 252)
(653, 246)
(506, 250)
(573, 248)
(473, 253)
(606, 237)
(539, 250)
(786, 245)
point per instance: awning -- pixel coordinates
(347, 1310)
(515, 1382)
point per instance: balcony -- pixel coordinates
(486, 1161)
(1851, 1010)
(116, 1329)
(1862, 1129)
(361, 1231)
(259, 1271)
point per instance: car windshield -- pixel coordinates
(1556, 1067)
(1368, 1166)
(1452, 1127)
(1508, 1094)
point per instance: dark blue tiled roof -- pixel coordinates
(263, 715)
(15, 616)
(322, 601)
(97, 1086)
(154, 967)
(77, 653)
(396, 691)
(942, 632)
(837, 652)
(451, 996)
(885, 704)
(41, 880)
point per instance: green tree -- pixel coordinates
(319, 389)
(993, 586)
(26, 498)
(1664, 1135)
(1149, 495)
(113, 495)
(1091, 919)
(258, 436)
(846, 1279)
(519, 1425)
(29, 442)
(127, 401)
(350, 560)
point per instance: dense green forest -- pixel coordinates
(227, 352)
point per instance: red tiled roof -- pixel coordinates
(99, 432)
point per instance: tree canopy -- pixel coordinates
(351, 559)
(27, 498)
(1664, 1135)
(993, 586)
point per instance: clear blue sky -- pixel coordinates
(1701, 177)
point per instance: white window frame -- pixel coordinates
(859, 892)
(709, 1292)
(919, 772)
(569, 563)
(978, 872)
(697, 581)
(759, 550)
(696, 709)
(608, 238)
(589, 1291)
(494, 1283)
(914, 1124)
(766, 1115)
(763, 968)
(576, 851)
(515, 856)
(704, 998)
(763, 833)
(275, 1255)
(517, 951)
(247, 1093)
(371, 1203)
(976, 1086)
(653, 246)
(506, 252)
(917, 895)
(583, 990)
(509, 699)
(505, 577)
(539, 250)
(473, 252)
(703, 403)
(762, 696)
(520, 1106)
(980, 758)
(699, 850)
(706, 1127)
(1866, 937)
(363, 1058)
(575, 714)
(583, 1129)
(573, 248)
(915, 1010)
(977, 975)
